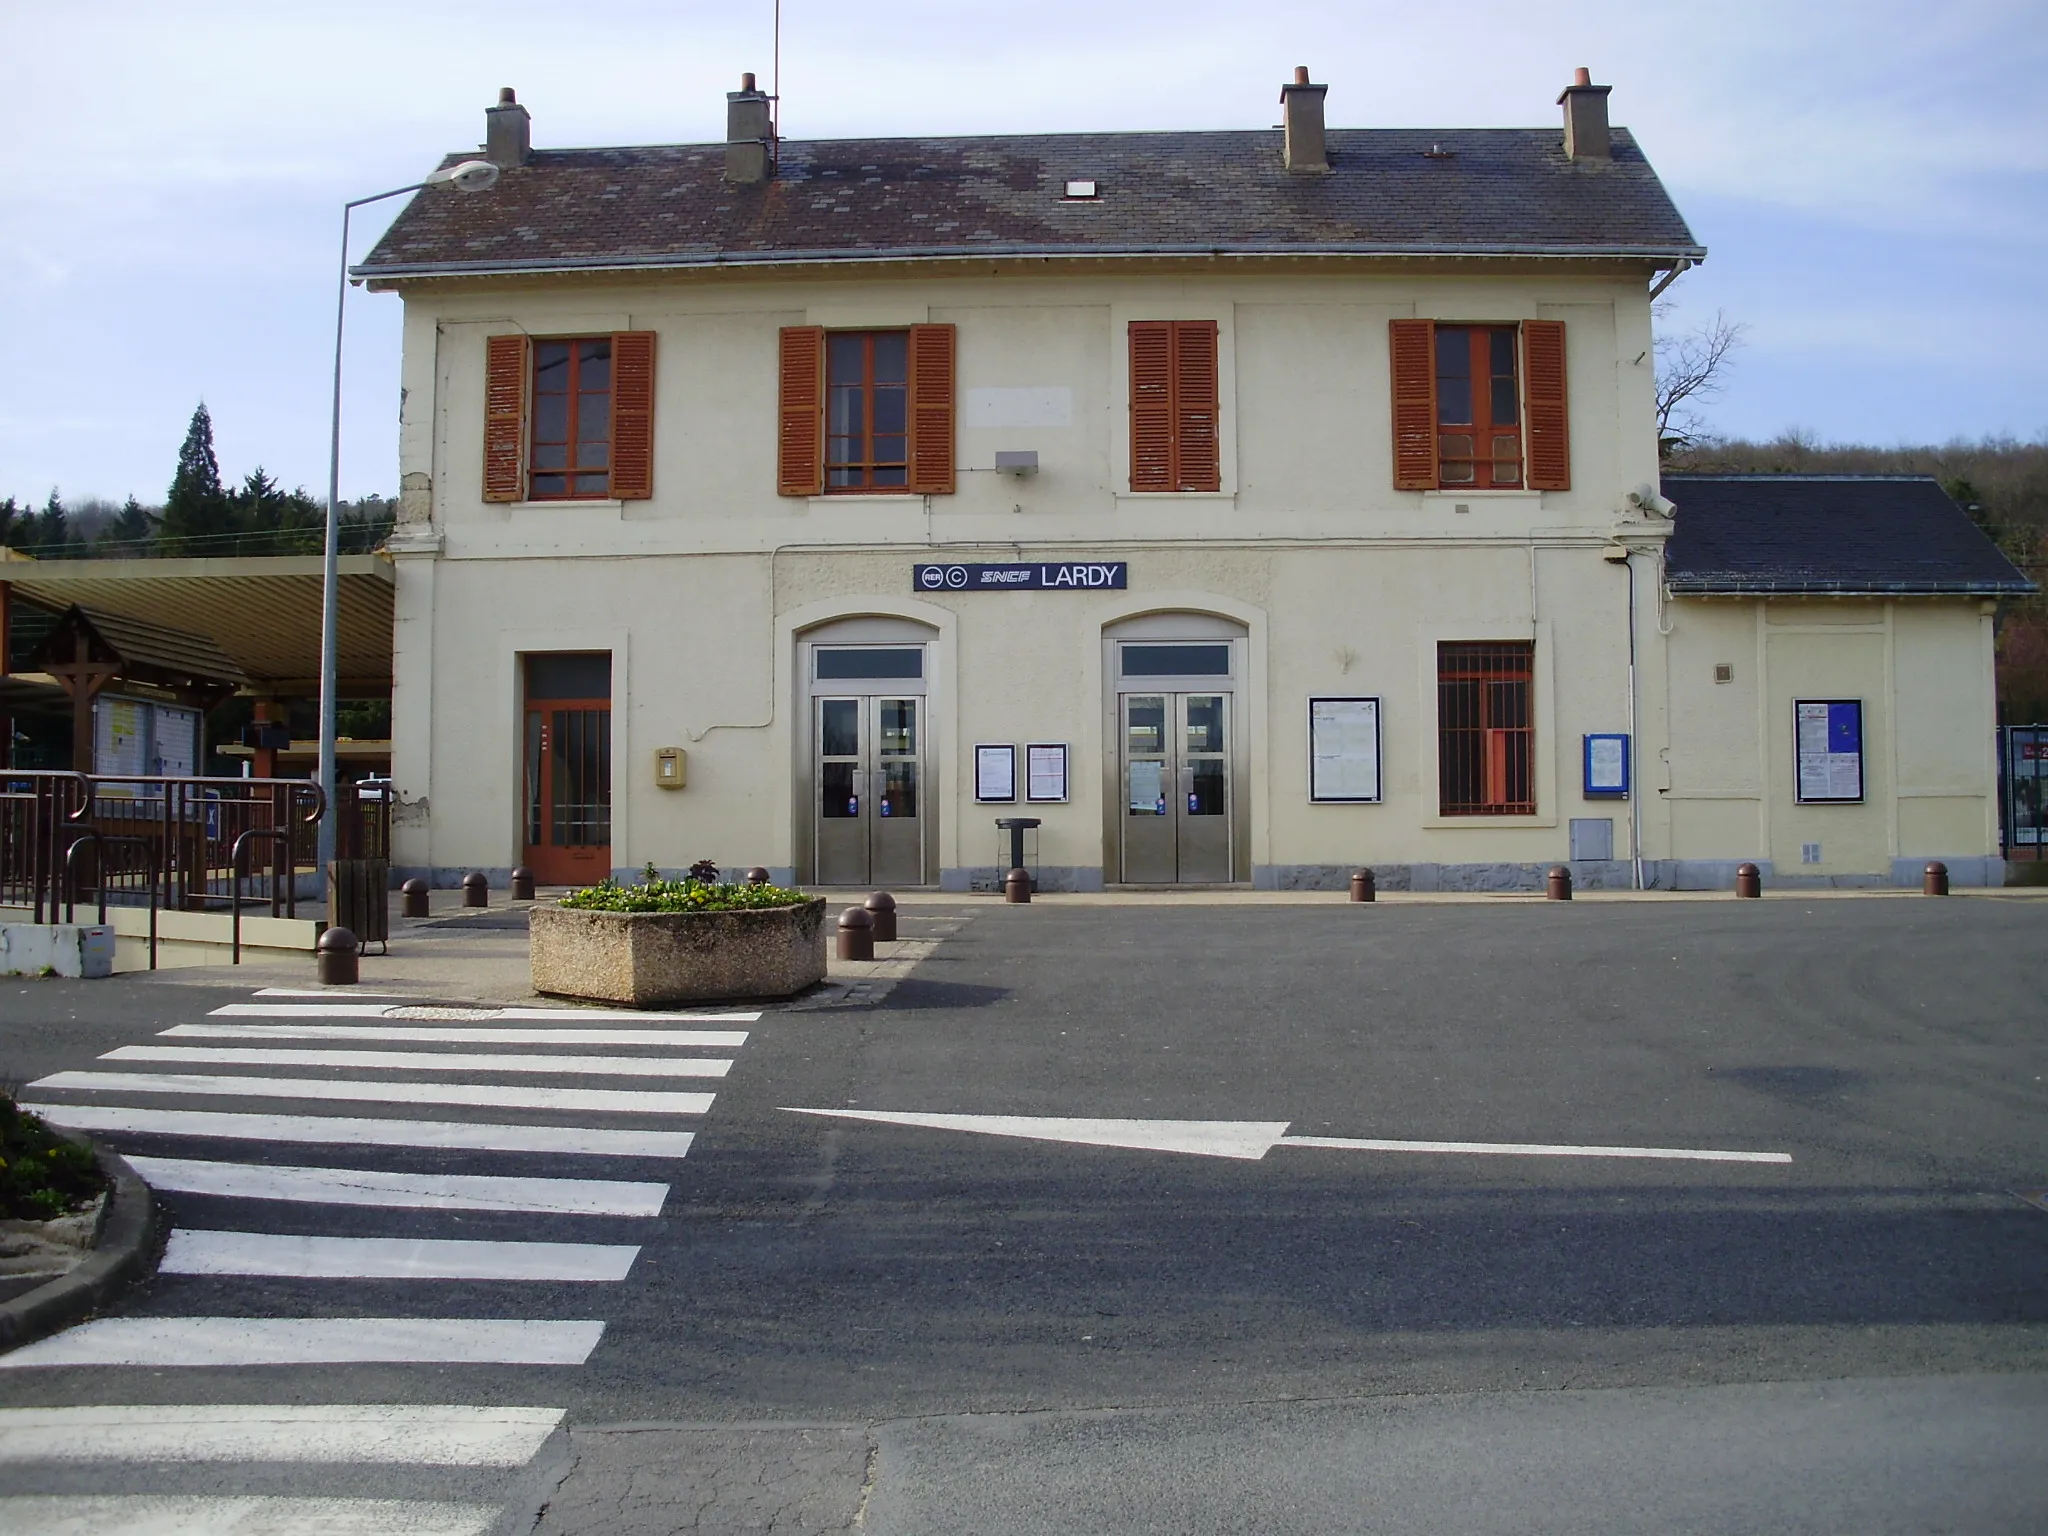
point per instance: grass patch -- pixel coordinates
(41, 1174)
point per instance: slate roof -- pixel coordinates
(1893, 535)
(1474, 192)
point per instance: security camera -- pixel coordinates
(1644, 499)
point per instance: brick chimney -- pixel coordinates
(749, 135)
(1302, 118)
(1585, 118)
(508, 132)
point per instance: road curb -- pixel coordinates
(123, 1255)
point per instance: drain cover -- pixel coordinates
(445, 1014)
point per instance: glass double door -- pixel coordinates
(1175, 771)
(868, 778)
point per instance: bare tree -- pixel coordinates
(1692, 369)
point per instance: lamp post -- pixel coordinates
(468, 176)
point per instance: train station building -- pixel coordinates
(1239, 507)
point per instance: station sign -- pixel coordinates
(1055, 576)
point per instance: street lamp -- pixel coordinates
(467, 176)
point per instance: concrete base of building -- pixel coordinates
(1048, 877)
(1964, 871)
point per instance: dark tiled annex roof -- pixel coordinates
(1875, 534)
(1484, 192)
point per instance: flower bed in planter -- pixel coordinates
(678, 941)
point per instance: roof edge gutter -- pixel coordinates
(1680, 260)
(1683, 588)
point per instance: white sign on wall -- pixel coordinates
(1344, 750)
(1830, 749)
(995, 773)
(1045, 771)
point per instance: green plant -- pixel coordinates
(41, 1174)
(657, 895)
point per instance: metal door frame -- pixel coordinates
(1176, 629)
(864, 634)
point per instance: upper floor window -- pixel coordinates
(1175, 406)
(1479, 407)
(867, 416)
(569, 418)
(572, 419)
(865, 411)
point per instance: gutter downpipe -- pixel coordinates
(1685, 265)
(1635, 787)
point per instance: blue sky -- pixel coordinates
(1871, 178)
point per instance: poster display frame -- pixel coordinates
(995, 773)
(1804, 761)
(1318, 792)
(1051, 750)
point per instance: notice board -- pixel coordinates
(1344, 751)
(1828, 741)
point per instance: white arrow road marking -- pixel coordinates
(437, 1436)
(1248, 1139)
(1533, 1149)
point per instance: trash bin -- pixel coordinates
(357, 899)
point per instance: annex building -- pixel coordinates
(1242, 507)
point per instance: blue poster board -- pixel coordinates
(1828, 741)
(1607, 764)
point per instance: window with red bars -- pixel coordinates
(1486, 741)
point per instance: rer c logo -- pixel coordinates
(956, 576)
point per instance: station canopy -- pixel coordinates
(261, 612)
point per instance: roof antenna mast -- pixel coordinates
(775, 77)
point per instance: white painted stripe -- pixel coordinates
(329, 992)
(418, 1191)
(203, 1252)
(1532, 1149)
(428, 1034)
(533, 1015)
(328, 1130)
(594, 1100)
(212, 1341)
(389, 1434)
(1248, 1139)
(424, 1061)
(157, 1514)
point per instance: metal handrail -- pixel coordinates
(235, 864)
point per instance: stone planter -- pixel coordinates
(647, 959)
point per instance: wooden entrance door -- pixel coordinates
(567, 755)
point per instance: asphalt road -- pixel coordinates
(1031, 1335)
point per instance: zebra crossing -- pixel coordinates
(386, 1130)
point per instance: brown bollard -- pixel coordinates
(334, 955)
(1362, 887)
(415, 893)
(1557, 885)
(476, 889)
(1017, 886)
(882, 908)
(757, 876)
(856, 935)
(1749, 880)
(1934, 879)
(522, 884)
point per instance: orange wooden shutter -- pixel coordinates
(800, 451)
(931, 409)
(1412, 346)
(633, 415)
(1196, 464)
(1543, 390)
(1151, 405)
(506, 372)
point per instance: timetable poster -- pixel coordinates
(1045, 771)
(995, 774)
(1830, 748)
(1344, 750)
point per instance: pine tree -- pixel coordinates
(13, 529)
(197, 512)
(131, 535)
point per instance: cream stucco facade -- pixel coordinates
(1323, 579)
